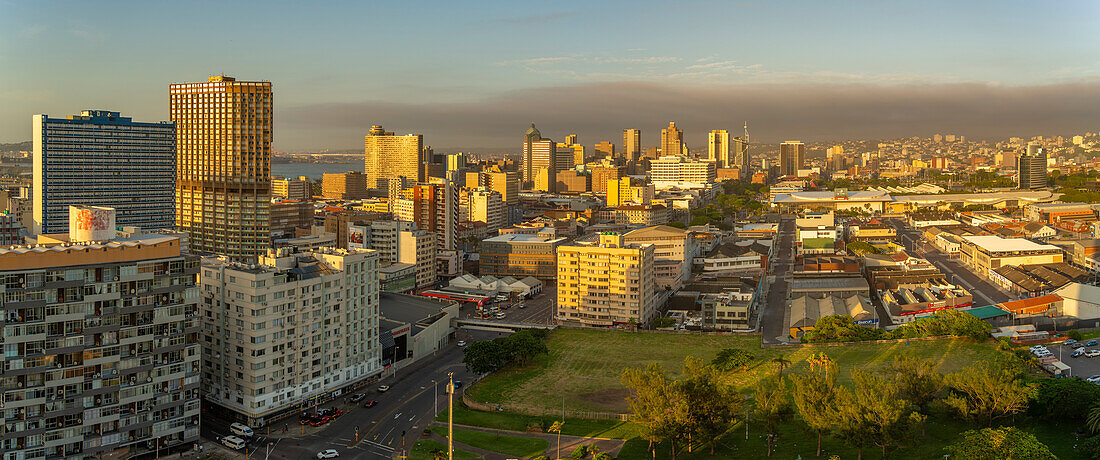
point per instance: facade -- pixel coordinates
(99, 158)
(605, 149)
(718, 148)
(10, 229)
(741, 159)
(632, 144)
(602, 174)
(679, 171)
(399, 278)
(791, 157)
(295, 326)
(643, 214)
(572, 182)
(289, 215)
(727, 310)
(1031, 168)
(521, 255)
(985, 253)
(672, 140)
(300, 189)
(223, 165)
(389, 157)
(609, 284)
(674, 251)
(351, 185)
(434, 208)
(539, 153)
(398, 242)
(485, 205)
(839, 200)
(1050, 213)
(102, 348)
(628, 190)
(337, 223)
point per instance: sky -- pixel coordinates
(474, 75)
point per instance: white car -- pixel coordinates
(500, 315)
(461, 343)
(1093, 379)
(1092, 353)
(1036, 347)
(383, 388)
(330, 453)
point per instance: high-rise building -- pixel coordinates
(504, 182)
(834, 158)
(606, 284)
(678, 171)
(538, 153)
(632, 144)
(1031, 167)
(292, 189)
(398, 242)
(434, 208)
(289, 215)
(565, 157)
(101, 341)
(390, 157)
(741, 160)
(605, 149)
(791, 157)
(672, 140)
(674, 251)
(223, 165)
(485, 205)
(293, 327)
(718, 147)
(351, 185)
(99, 158)
(521, 255)
(627, 190)
(601, 174)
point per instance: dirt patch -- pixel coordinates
(611, 399)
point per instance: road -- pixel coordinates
(407, 408)
(984, 292)
(773, 325)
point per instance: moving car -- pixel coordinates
(320, 420)
(458, 384)
(233, 442)
(329, 453)
(241, 430)
(357, 397)
(461, 343)
(383, 388)
(499, 316)
(370, 403)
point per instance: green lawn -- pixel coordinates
(423, 449)
(584, 366)
(508, 445)
(518, 422)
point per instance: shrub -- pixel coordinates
(732, 358)
(579, 453)
(1075, 334)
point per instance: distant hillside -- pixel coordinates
(18, 146)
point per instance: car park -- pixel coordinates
(1036, 347)
(383, 388)
(370, 403)
(357, 397)
(328, 453)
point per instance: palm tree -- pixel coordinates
(1093, 420)
(782, 362)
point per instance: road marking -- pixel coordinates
(412, 418)
(395, 416)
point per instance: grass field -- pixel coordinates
(519, 422)
(509, 445)
(584, 366)
(423, 449)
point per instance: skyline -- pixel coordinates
(476, 77)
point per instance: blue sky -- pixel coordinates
(60, 57)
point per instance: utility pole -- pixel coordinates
(450, 416)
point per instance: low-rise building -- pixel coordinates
(1050, 213)
(871, 231)
(807, 308)
(675, 250)
(741, 256)
(397, 278)
(641, 214)
(299, 189)
(1036, 279)
(682, 172)
(351, 185)
(905, 304)
(985, 253)
(606, 284)
(412, 328)
(521, 255)
(726, 311)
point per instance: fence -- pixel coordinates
(573, 413)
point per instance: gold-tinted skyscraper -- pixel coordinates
(672, 140)
(391, 157)
(718, 147)
(632, 144)
(223, 164)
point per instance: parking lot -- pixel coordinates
(1080, 366)
(538, 309)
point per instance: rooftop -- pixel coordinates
(994, 243)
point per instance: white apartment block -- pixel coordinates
(678, 171)
(399, 241)
(608, 284)
(484, 205)
(292, 327)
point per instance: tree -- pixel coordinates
(524, 346)
(771, 406)
(860, 247)
(729, 359)
(814, 396)
(485, 356)
(663, 321)
(713, 405)
(658, 408)
(840, 328)
(1075, 334)
(987, 392)
(1065, 399)
(946, 322)
(781, 362)
(918, 380)
(997, 444)
(884, 414)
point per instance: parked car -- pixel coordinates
(370, 403)
(357, 397)
(500, 316)
(383, 388)
(1093, 379)
(304, 419)
(1077, 353)
(320, 420)
(1092, 343)
(1069, 343)
(1092, 353)
(1036, 347)
(461, 343)
(522, 305)
(329, 453)
(458, 384)
(241, 430)
(332, 413)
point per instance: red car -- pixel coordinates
(320, 421)
(370, 403)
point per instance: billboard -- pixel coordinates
(91, 223)
(356, 237)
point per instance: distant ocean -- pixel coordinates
(314, 170)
